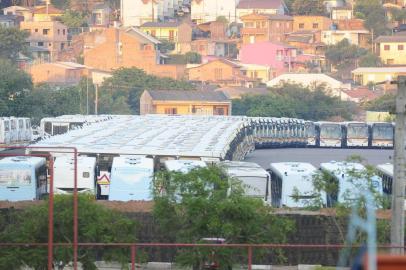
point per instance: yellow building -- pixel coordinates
(177, 32)
(46, 13)
(368, 75)
(184, 102)
(391, 49)
(263, 73)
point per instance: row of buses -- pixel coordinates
(15, 130)
(284, 184)
(289, 132)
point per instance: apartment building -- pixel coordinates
(391, 49)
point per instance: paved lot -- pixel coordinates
(317, 155)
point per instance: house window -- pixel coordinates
(40, 44)
(400, 47)
(218, 74)
(249, 24)
(49, 44)
(390, 61)
(36, 30)
(171, 35)
(59, 31)
(263, 24)
(153, 33)
(315, 25)
(45, 31)
(219, 111)
(62, 46)
(63, 31)
(301, 25)
(171, 111)
(252, 39)
(386, 47)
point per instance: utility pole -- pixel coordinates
(398, 186)
(96, 97)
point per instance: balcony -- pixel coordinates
(254, 31)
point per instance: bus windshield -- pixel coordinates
(310, 130)
(10, 177)
(382, 131)
(357, 131)
(330, 131)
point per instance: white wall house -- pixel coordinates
(208, 10)
(138, 12)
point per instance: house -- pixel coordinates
(265, 27)
(330, 4)
(49, 37)
(353, 30)
(310, 80)
(261, 72)
(127, 47)
(184, 102)
(213, 30)
(391, 49)
(358, 95)
(214, 47)
(100, 16)
(138, 12)
(312, 23)
(239, 92)
(246, 7)
(306, 41)
(25, 12)
(46, 13)
(222, 72)
(342, 13)
(280, 57)
(180, 33)
(373, 75)
(10, 20)
(208, 10)
(60, 73)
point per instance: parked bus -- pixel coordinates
(131, 178)
(64, 177)
(385, 171)
(311, 134)
(331, 134)
(255, 179)
(292, 184)
(5, 131)
(351, 181)
(183, 166)
(382, 135)
(22, 178)
(356, 134)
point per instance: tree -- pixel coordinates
(222, 19)
(61, 4)
(343, 53)
(121, 93)
(385, 103)
(74, 19)
(13, 84)
(12, 43)
(370, 60)
(292, 100)
(207, 203)
(97, 224)
(193, 58)
(374, 14)
(308, 7)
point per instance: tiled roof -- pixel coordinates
(265, 4)
(50, 10)
(184, 95)
(390, 39)
(361, 93)
(161, 24)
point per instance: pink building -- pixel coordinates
(280, 57)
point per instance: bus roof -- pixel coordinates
(386, 168)
(183, 166)
(241, 169)
(293, 168)
(82, 162)
(128, 162)
(22, 162)
(338, 168)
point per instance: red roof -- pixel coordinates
(265, 4)
(361, 93)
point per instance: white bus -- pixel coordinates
(351, 181)
(382, 134)
(255, 179)
(292, 184)
(385, 171)
(131, 178)
(183, 166)
(311, 133)
(330, 134)
(357, 134)
(64, 177)
(5, 131)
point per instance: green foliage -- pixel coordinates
(61, 4)
(74, 19)
(183, 59)
(222, 19)
(343, 53)
(385, 103)
(166, 46)
(374, 14)
(398, 15)
(308, 7)
(121, 93)
(193, 58)
(207, 203)
(370, 60)
(292, 100)
(12, 43)
(97, 224)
